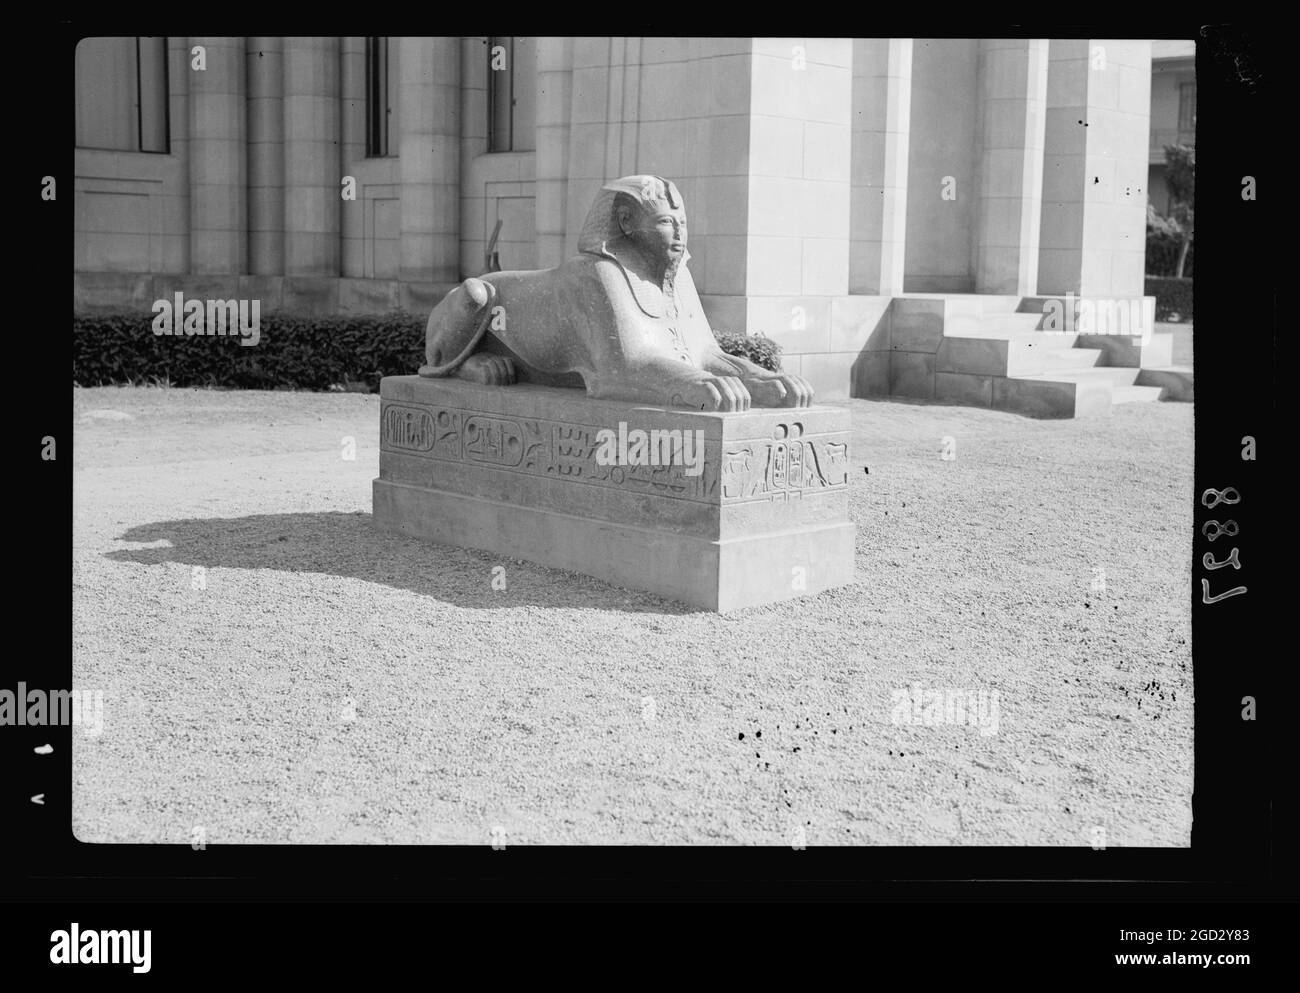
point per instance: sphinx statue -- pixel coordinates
(621, 318)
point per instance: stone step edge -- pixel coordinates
(1109, 374)
(1137, 394)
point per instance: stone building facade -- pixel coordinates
(1173, 110)
(857, 200)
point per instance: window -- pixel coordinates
(512, 94)
(381, 97)
(1187, 113)
(121, 94)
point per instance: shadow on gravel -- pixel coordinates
(342, 544)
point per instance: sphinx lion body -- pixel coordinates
(622, 317)
(581, 319)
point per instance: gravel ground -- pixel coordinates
(331, 684)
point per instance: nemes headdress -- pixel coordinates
(648, 192)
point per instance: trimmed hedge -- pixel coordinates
(311, 353)
(756, 347)
(1173, 297)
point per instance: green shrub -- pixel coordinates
(313, 353)
(756, 347)
(1162, 254)
(1173, 297)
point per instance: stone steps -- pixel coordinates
(1078, 392)
(1003, 353)
(1126, 350)
(1075, 358)
(1075, 375)
(1114, 376)
(992, 351)
(1046, 339)
(1054, 395)
(1014, 322)
(1176, 381)
(1136, 394)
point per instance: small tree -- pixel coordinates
(1180, 176)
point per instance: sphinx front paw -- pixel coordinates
(488, 370)
(720, 393)
(780, 390)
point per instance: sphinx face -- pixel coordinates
(660, 234)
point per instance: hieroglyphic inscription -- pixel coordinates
(494, 440)
(783, 467)
(574, 447)
(446, 438)
(777, 468)
(536, 446)
(408, 428)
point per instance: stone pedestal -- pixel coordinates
(514, 471)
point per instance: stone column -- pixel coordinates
(352, 150)
(554, 94)
(1012, 109)
(797, 188)
(800, 147)
(882, 112)
(475, 57)
(942, 166)
(673, 107)
(430, 159)
(757, 134)
(176, 226)
(265, 61)
(1093, 238)
(311, 155)
(595, 64)
(218, 197)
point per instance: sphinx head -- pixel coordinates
(654, 220)
(643, 214)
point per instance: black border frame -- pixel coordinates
(1234, 853)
